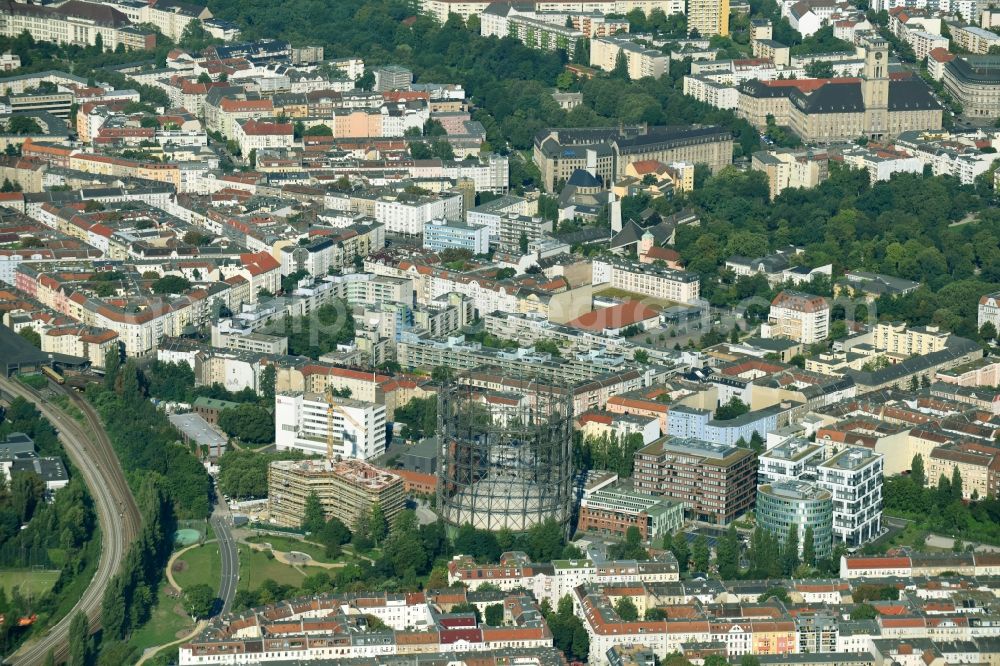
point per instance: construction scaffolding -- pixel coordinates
(506, 452)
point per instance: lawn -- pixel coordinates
(34, 381)
(288, 544)
(611, 292)
(202, 565)
(256, 567)
(164, 624)
(33, 583)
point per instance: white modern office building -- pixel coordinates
(304, 422)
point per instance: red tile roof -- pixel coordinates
(616, 316)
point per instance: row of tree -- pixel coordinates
(145, 440)
(607, 452)
(130, 596)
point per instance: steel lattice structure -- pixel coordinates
(506, 452)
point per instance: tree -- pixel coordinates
(700, 553)
(31, 336)
(333, 535)
(250, 423)
(494, 615)
(27, 491)
(171, 284)
(735, 407)
(819, 69)
(313, 516)
(779, 593)
(267, 384)
(956, 484)
(626, 609)
(727, 554)
(809, 547)
(199, 600)
(790, 551)
(620, 70)
(545, 541)
(113, 620)
(988, 331)
(79, 640)
(864, 612)
(917, 474)
(681, 551)
(378, 525)
(23, 125)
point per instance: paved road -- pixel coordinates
(117, 512)
(228, 551)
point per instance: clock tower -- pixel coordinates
(875, 88)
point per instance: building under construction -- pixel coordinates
(506, 453)
(347, 489)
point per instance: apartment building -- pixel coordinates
(708, 17)
(440, 9)
(786, 167)
(74, 340)
(898, 338)
(74, 22)
(854, 478)
(642, 62)
(347, 489)
(799, 316)
(880, 162)
(711, 92)
(405, 214)
(776, 52)
(925, 42)
(551, 581)
(978, 464)
(646, 280)
(517, 228)
(252, 135)
(989, 310)
(443, 235)
(490, 213)
(716, 483)
(333, 251)
(307, 422)
(543, 35)
(973, 39)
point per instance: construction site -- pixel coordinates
(347, 489)
(506, 453)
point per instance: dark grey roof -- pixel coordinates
(50, 469)
(757, 88)
(630, 234)
(831, 98)
(581, 178)
(911, 95)
(982, 70)
(16, 444)
(956, 347)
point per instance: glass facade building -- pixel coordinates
(787, 503)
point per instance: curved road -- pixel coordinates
(117, 512)
(228, 552)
